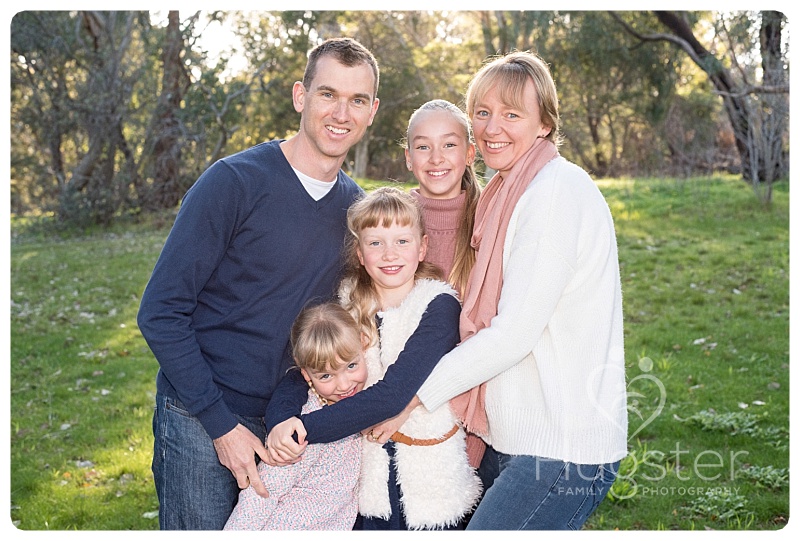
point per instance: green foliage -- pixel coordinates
(766, 476)
(83, 104)
(735, 422)
(705, 273)
(729, 508)
(611, 116)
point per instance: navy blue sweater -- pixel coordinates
(436, 334)
(248, 250)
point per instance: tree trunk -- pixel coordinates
(593, 121)
(164, 139)
(486, 31)
(777, 159)
(362, 157)
(94, 192)
(735, 105)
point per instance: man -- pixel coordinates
(258, 237)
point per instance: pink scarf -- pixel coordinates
(495, 206)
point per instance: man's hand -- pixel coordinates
(382, 432)
(236, 451)
(282, 450)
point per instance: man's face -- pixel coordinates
(337, 108)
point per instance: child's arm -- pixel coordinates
(287, 399)
(436, 334)
(384, 431)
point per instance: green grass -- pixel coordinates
(705, 272)
(705, 278)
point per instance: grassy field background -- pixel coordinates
(705, 275)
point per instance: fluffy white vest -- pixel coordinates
(438, 485)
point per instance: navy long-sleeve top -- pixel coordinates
(436, 334)
(248, 250)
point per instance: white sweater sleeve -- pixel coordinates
(539, 262)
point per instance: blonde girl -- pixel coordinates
(318, 492)
(421, 478)
(440, 152)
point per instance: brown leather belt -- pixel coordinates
(399, 437)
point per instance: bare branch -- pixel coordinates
(756, 89)
(683, 44)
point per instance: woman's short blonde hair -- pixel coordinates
(509, 74)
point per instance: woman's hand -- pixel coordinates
(282, 450)
(382, 432)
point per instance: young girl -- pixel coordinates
(319, 492)
(440, 152)
(421, 479)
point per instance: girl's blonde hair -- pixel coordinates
(381, 208)
(322, 334)
(509, 74)
(465, 254)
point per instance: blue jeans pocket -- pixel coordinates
(176, 406)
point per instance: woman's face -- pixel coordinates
(504, 133)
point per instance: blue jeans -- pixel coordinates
(534, 493)
(195, 491)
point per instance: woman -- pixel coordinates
(541, 363)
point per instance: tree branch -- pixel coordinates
(698, 54)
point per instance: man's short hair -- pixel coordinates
(346, 51)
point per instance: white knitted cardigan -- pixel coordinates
(438, 485)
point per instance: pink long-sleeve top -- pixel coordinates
(442, 218)
(317, 493)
